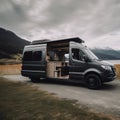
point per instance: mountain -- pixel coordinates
(10, 43)
(107, 53)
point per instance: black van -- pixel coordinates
(65, 59)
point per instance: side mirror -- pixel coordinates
(85, 58)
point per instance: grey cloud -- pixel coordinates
(58, 12)
(107, 19)
(87, 19)
(36, 19)
(18, 11)
(12, 15)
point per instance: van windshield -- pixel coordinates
(91, 54)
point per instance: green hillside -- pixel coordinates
(10, 43)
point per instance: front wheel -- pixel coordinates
(93, 81)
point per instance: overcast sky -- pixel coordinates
(95, 21)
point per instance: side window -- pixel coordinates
(32, 56)
(37, 56)
(77, 54)
(27, 56)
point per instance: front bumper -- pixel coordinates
(109, 76)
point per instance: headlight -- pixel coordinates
(106, 67)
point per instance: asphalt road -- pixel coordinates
(106, 100)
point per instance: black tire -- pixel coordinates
(93, 81)
(35, 79)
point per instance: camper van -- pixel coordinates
(66, 59)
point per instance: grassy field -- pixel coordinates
(10, 61)
(20, 101)
(10, 69)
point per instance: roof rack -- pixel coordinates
(75, 39)
(39, 41)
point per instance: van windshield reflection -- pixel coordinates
(91, 54)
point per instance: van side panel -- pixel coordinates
(34, 61)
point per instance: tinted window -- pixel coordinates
(77, 54)
(37, 55)
(32, 56)
(27, 56)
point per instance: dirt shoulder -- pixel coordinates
(105, 100)
(22, 101)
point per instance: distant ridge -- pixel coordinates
(107, 53)
(10, 43)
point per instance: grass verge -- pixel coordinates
(6, 61)
(10, 69)
(20, 101)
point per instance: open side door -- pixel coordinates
(76, 61)
(57, 66)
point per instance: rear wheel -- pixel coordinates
(93, 81)
(35, 79)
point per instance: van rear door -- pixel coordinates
(33, 64)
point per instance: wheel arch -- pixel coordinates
(93, 72)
